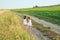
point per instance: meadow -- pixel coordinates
(48, 13)
(11, 27)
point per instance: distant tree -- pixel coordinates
(35, 6)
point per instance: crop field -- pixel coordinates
(50, 14)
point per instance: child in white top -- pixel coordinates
(25, 21)
(29, 22)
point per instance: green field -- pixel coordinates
(47, 13)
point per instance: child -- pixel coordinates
(25, 21)
(29, 22)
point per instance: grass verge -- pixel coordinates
(11, 27)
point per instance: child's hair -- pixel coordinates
(24, 17)
(28, 17)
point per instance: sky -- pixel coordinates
(14, 4)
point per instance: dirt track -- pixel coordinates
(54, 27)
(37, 34)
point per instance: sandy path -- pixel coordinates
(54, 27)
(37, 34)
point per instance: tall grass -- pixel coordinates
(11, 28)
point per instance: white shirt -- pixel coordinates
(25, 22)
(29, 23)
